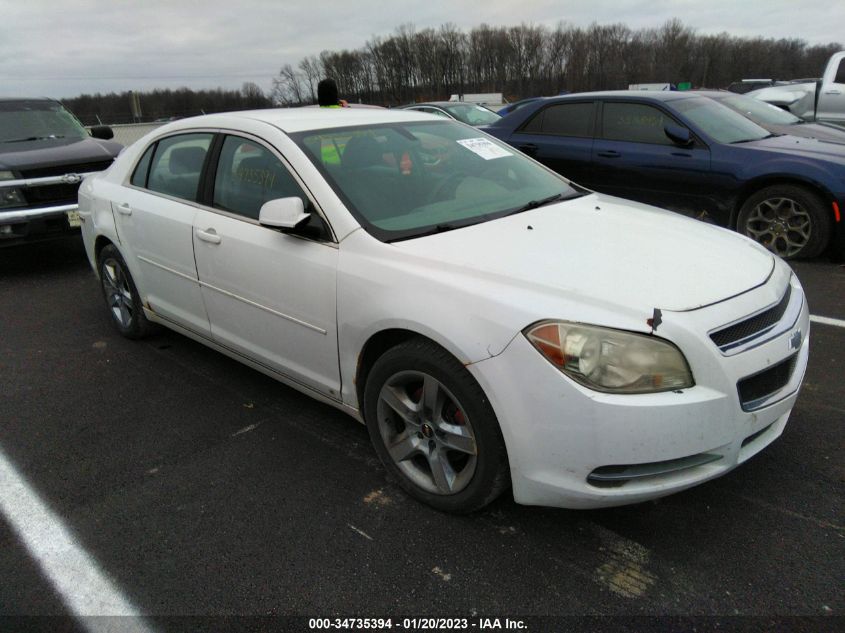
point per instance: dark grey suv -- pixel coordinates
(45, 152)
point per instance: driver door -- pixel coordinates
(269, 295)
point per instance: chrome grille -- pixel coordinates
(51, 194)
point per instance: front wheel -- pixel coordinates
(788, 220)
(121, 295)
(434, 429)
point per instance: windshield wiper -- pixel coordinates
(437, 228)
(33, 138)
(534, 204)
(749, 140)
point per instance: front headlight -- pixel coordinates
(609, 360)
(10, 196)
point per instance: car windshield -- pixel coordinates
(758, 111)
(404, 180)
(26, 120)
(718, 121)
(471, 113)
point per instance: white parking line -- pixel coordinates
(827, 320)
(74, 574)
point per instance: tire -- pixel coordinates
(434, 429)
(121, 295)
(789, 220)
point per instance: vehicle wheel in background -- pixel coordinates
(434, 429)
(121, 295)
(788, 220)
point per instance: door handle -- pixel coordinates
(681, 154)
(209, 236)
(124, 209)
(833, 92)
(609, 154)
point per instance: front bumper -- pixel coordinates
(28, 225)
(572, 447)
(42, 221)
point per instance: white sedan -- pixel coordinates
(493, 324)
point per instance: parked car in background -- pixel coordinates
(469, 113)
(774, 119)
(819, 100)
(45, 152)
(513, 107)
(685, 152)
(490, 100)
(747, 85)
(491, 323)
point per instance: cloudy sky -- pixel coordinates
(65, 48)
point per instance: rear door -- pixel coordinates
(270, 295)
(561, 137)
(633, 158)
(154, 215)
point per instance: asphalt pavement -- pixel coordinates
(195, 486)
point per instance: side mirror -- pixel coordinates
(283, 213)
(102, 132)
(678, 134)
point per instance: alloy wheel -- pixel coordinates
(781, 224)
(118, 294)
(427, 432)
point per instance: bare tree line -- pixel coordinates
(528, 60)
(519, 61)
(115, 107)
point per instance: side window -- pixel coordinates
(634, 122)
(248, 175)
(177, 165)
(535, 125)
(569, 119)
(840, 73)
(139, 176)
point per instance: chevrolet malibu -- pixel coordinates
(492, 324)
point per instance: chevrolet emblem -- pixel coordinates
(795, 340)
(71, 179)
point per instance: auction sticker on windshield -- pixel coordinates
(484, 148)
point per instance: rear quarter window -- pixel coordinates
(139, 176)
(565, 119)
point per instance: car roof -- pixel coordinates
(432, 103)
(302, 119)
(717, 93)
(651, 95)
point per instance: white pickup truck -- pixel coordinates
(821, 100)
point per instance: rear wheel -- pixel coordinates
(434, 429)
(121, 295)
(788, 220)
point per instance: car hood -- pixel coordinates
(792, 146)
(605, 249)
(55, 151)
